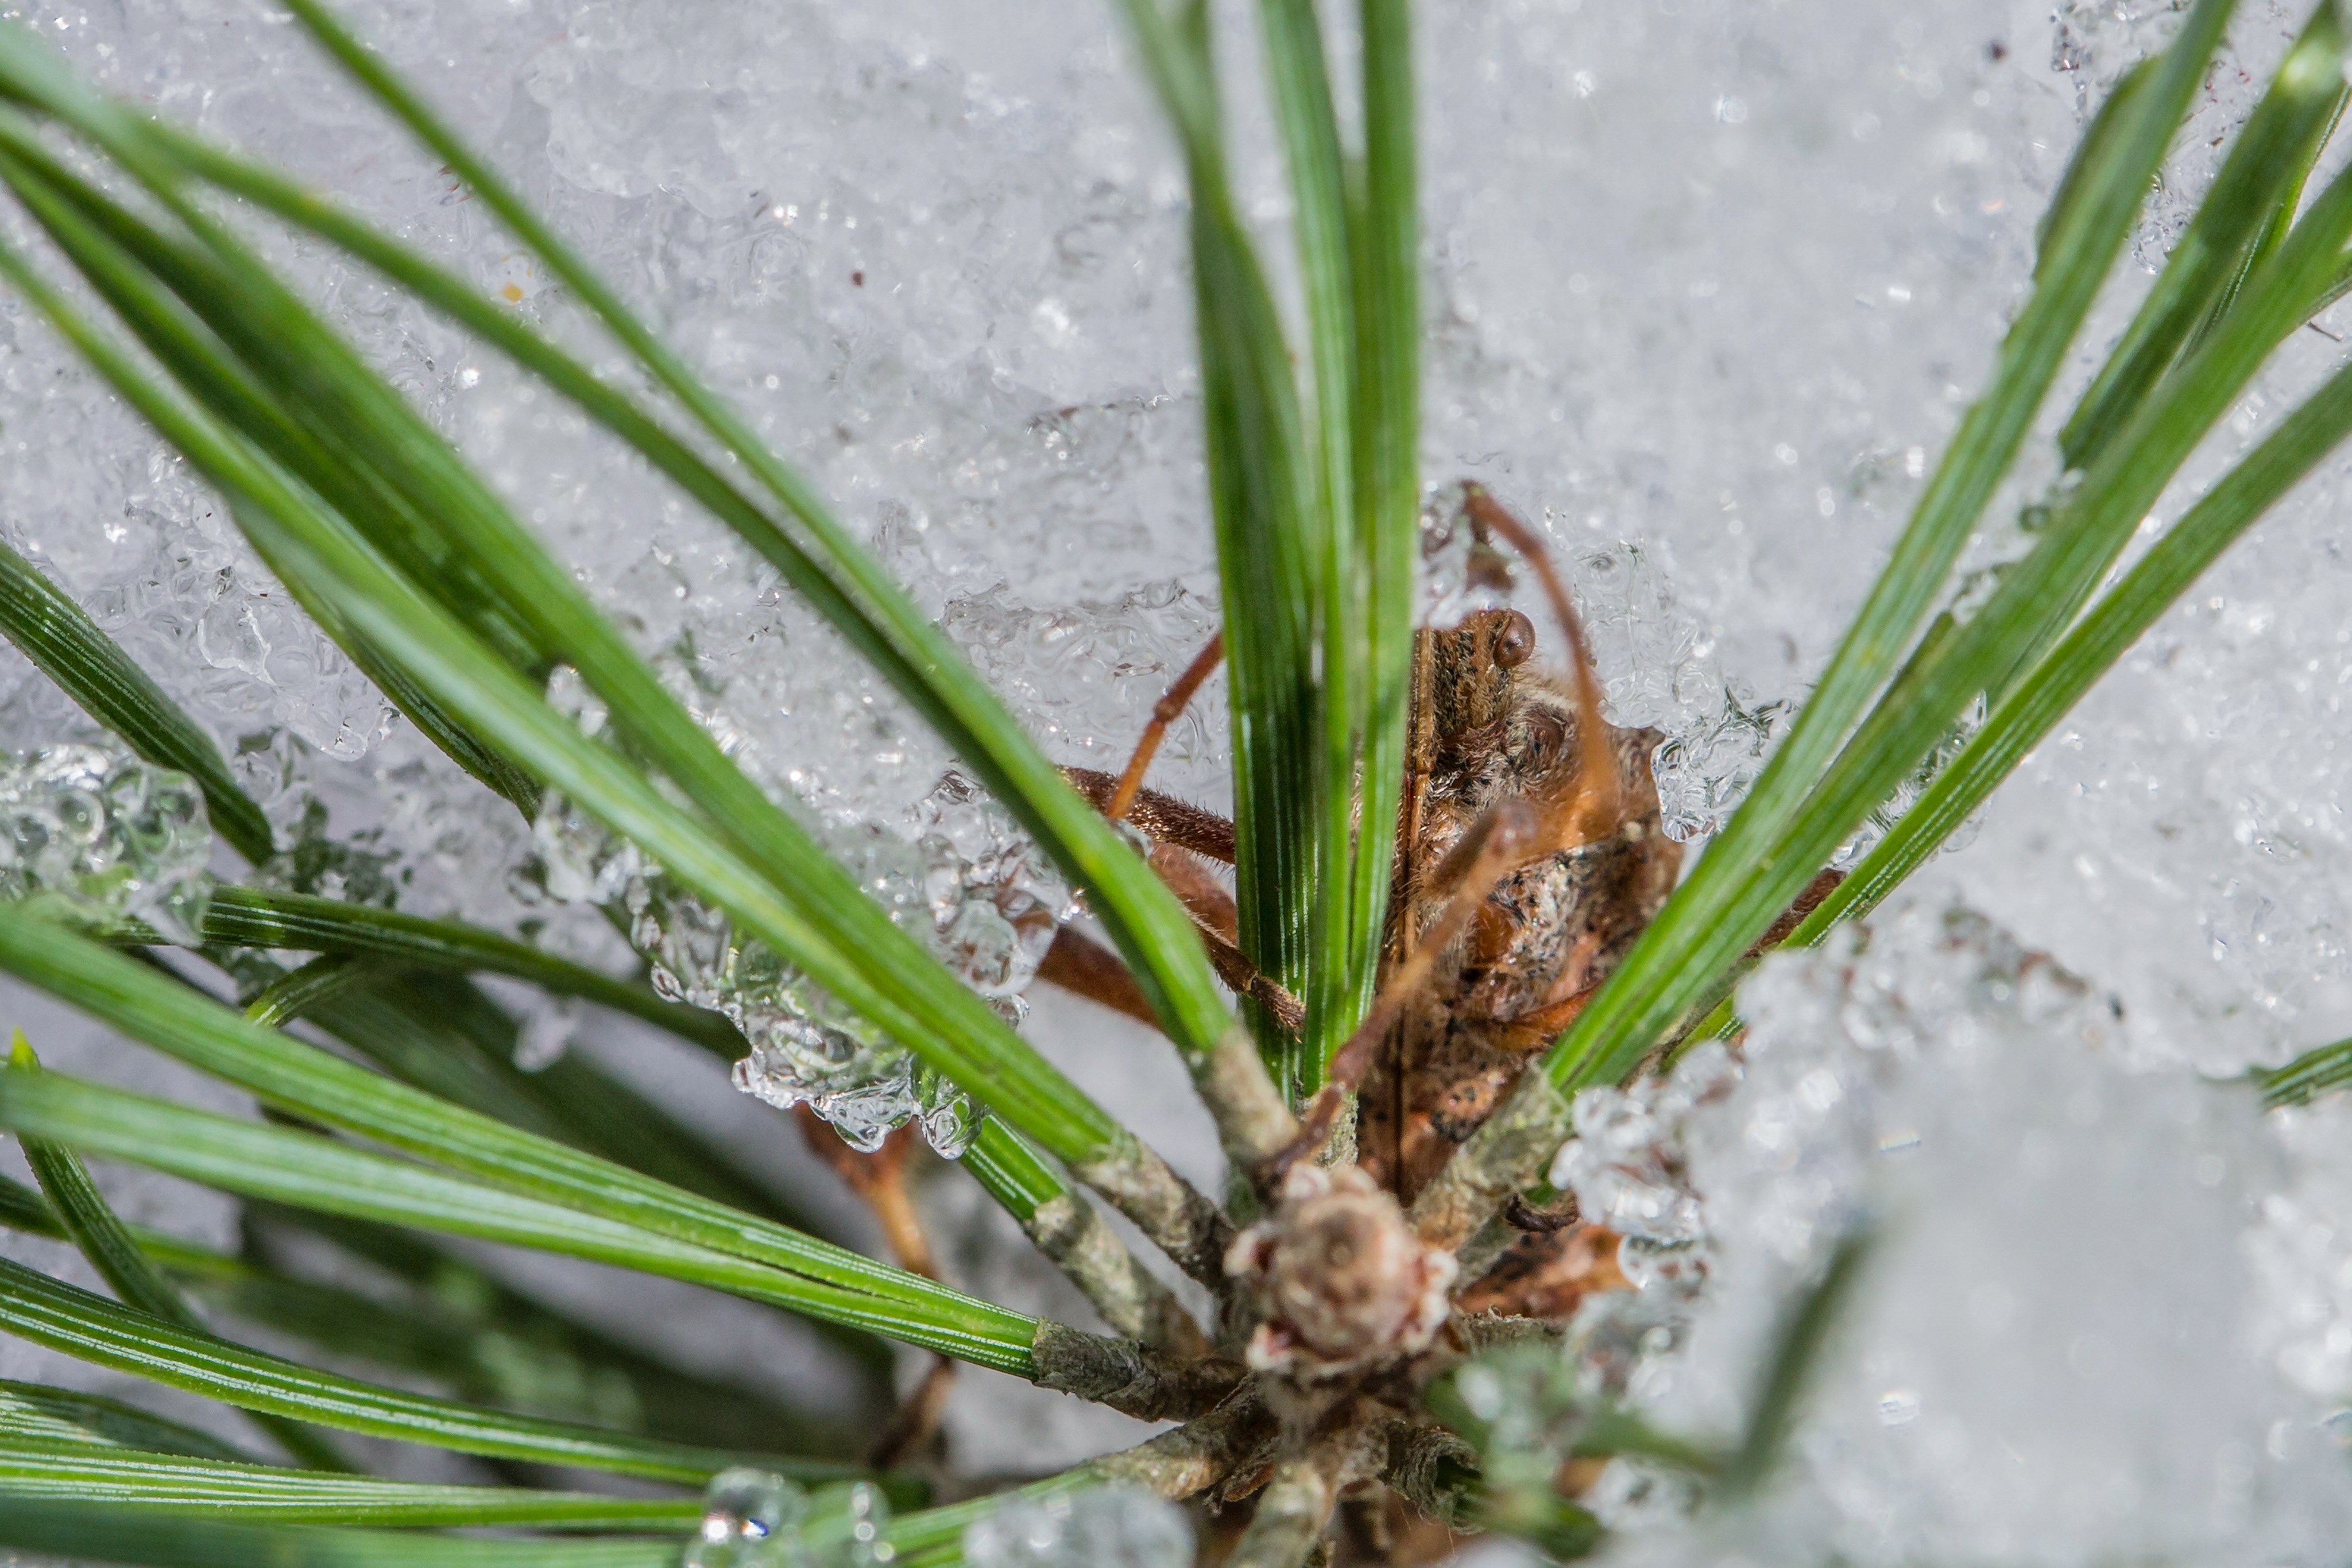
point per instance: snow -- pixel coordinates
(1709, 285)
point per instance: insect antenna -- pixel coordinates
(1597, 811)
(1165, 712)
(1180, 831)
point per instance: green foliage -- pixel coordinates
(2308, 1076)
(1767, 852)
(417, 1128)
(63, 1318)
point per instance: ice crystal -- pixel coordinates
(967, 885)
(1107, 1527)
(1705, 767)
(751, 1518)
(94, 837)
(755, 1518)
(1913, 784)
(1625, 1164)
(2029, 1371)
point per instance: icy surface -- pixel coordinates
(1706, 295)
(93, 836)
(2032, 1370)
(988, 917)
(1707, 286)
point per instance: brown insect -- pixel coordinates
(1528, 857)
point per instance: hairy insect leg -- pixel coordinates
(1164, 818)
(880, 1179)
(1084, 966)
(1080, 965)
(1178, 832)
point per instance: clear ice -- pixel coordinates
(971, 888)
(1705, 294)
(1103, 1527)
(751, 1519)
(1625, 1163)
(756, 1518)
(93, 836)
(962, 880)
(2032, 1372)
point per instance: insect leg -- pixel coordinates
(1179, 831)
(1164, 818)
(1084, 966)
(1218, 923)
(1176, 829)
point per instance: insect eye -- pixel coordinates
(1515, 643)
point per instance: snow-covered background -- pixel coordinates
(1707, 285)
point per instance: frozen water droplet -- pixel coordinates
(857, 1542)
(1109, 1527)
(751, 1519)
(92, 836)
(971, 887)
(1704, 768)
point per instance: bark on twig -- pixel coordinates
(1431, 1468)
(1076, 1238)
(1237, 1436)
(1164, 1206)
(1148, 1385)
(1502, 1158)
(1484, 1249)
(1252, 1122)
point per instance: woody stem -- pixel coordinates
(1196, 1455)
(1077, 1240)
(1292, 1514)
